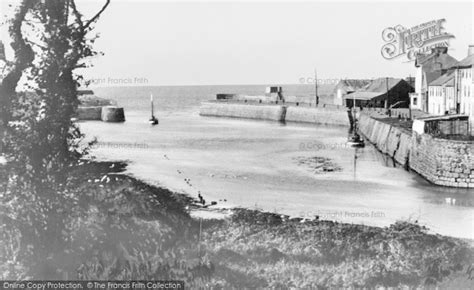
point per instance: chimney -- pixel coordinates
(470, 50)
(439, 50)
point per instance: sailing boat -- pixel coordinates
(153, 120)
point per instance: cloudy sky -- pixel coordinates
(201, 43)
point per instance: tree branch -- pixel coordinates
(93, 19)
(77, 14)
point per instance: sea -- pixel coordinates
(301, 170)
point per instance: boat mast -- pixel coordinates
(316, 87)
(354, 110)
(151, 101)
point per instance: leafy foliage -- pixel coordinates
(38, 97)
(120, 229)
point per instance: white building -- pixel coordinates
(453, 92)
(428, 68)
(464, 86)
(441, 95)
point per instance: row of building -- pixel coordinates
(442, 86)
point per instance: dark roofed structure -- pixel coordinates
(382, 84)
(381, 92)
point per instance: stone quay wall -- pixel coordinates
(275, 112)
(317, 116)
(100, 113)
(89, 113)
(390, 140)
(441, 161)
(246, 111)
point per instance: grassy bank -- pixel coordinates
(255, 249)
(125, 229)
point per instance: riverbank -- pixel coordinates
(131, 230)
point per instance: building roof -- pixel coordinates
(438, 56)
(375, 89)
(465, 63)
(435, 63)
(444, 80)
(351, 85)
(381, 84)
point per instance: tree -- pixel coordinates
(50, 40)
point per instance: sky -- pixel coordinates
(218, 43)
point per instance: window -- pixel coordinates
(414, 101)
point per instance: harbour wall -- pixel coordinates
(390, 140)
(100, 113)
(317, 116)
(276, 113)
(441, 161)
(89, 113)
(233, 110)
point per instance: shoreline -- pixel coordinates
(219, 241)
(122, 214)
(222, 210)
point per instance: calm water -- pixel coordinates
(255, 163)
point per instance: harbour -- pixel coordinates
(253, 164)
(236, 145)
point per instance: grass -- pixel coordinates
(255, 249)
(125, 229)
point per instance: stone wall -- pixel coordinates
(276, 113)
(100, 113)
(317, 115)
(442, 161)
(390, 140)
(112, 114)
(258, 99)
(247, 111)
(89, 113)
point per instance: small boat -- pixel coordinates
(355, 140)
(153, 120)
